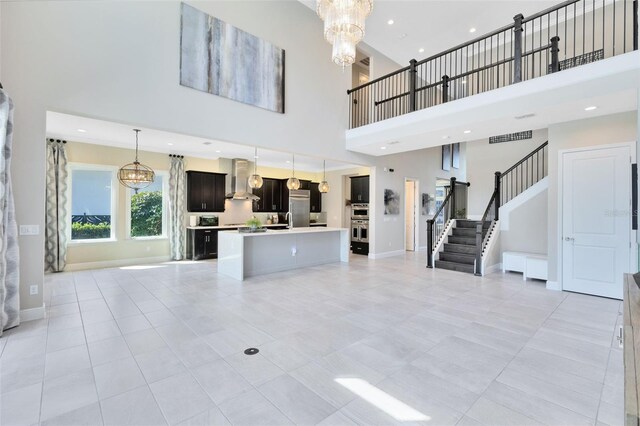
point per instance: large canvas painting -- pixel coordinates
(446, 157)
(455, 155)
(221, 59)
(391, 202)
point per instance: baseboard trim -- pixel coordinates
(422, 248)
(386, 254)
(554, 285)
(32, 314)
(493, 268)
(115, 263)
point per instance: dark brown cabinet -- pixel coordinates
(270, 196)
(360, 189)
(315, 205)
(202, 244)
(205, 191)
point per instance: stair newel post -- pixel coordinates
(445, 89)
(412, 85)
(452, 209)
(430, 224)
(498, 191)
(478, 266)
(517, 48)
(555, 62)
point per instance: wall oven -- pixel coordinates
(360, 211)
(359, 231)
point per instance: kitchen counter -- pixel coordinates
(242, 255)
(228, 227)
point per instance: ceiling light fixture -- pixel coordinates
(390, 22)
(136, 175)
(383, 147)
(255, 180)
(293, 182)
(169, 143)
(472, 30)
(82, 130)
(344, 23)
(421, 50)
(466, 132)
(323, 186)
(591, 108)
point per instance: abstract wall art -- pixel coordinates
(446, 157)
(455, 155)
(391, 202)
(218, 58)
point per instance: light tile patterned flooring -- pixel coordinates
(165, 345)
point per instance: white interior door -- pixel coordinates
(596, 220)
(409, 212)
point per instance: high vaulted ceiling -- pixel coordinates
(436, 26)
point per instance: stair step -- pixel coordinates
(467, 232)
(470, 241)
(459, 248)
(466, 223)
(467, 259)
(453, 266)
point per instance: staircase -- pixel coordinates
(459, 252)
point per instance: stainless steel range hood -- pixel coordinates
(239, 181)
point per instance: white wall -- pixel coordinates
(119, 61)
(425, 166)
(602, 130)
(484, 159)
(527, 226)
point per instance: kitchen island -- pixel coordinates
(242, 255)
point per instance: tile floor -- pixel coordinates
(374, 342)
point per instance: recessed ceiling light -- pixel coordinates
(390, 22)
(591, 108)
(169, 143)
(472, 30)
(206, 143)
(383, 147)
(288, 161)
(82, 130)
(467, 132)
(217, 150)
(421, 50)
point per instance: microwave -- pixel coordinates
(359, 211)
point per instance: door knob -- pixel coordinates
(569, 239)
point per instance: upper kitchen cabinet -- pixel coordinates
(270, 196)
(205, 191)
(316, 198)
(360, 189)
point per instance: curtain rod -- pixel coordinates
(56, 140)
(175, 155)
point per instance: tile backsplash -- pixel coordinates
(239, 211)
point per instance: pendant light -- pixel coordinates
(255, 180)
(136, 175)
(293, 182)
(323, 186)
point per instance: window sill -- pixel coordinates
(159, 238)
(96, 241)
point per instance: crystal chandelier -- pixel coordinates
(136, 175)
(255, 180)
(344, 22)
(323, 186)
(293, 182)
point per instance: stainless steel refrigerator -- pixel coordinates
(299, 208)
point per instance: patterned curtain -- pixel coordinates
(56, 207)
(9, 260)
(177, 231)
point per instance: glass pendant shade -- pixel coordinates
(136, 175)
(293, 183)
(323, 187)
(344, 51)
(255, 180)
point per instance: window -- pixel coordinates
(92, 203)
(147, 209)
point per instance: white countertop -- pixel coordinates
(309, 230)
(233, 226)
